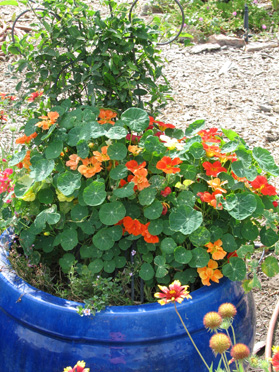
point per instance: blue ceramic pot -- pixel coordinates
(40, 332)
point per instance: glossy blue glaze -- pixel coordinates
(40, 332)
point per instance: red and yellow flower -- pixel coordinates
(261, 185)
(174, 293)
(79, 367)
(168, 165)
(213, 169)
(216, 184)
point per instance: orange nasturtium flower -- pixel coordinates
(167, 165)
(26, 161)
(79, 367)
(216, 184)
(49, 120)
(135, 150)
(210, 272)
(148, 238)
(133, 165)
(174, 293)
(216, 250)
(103, 156)
(261, 184)
(133, 227)
(26, 139)
(210, 199)
(213, 169)
(211, 150)
(210, 135)
(73, 162)
(106, 116)
(89, 167)
(162, 126)
(140, 179)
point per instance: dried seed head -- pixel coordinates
(240, 351)
(212, 320)
(219, 343)
(227, 310)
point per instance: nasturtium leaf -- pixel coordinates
(185, 219)
(147, 196)
(124, 244)
(153, 211)
(194, 128)
(67, 261)
(146, 271)
(249, 231)
(125, 191)
(188, 171)
(230, 146)
(96, 266)
(95, 193)
(49, 132)
(117, 151)
(120, 262)
(245, 205)
(116, 133)
(79, 213)
(47, 244)
(87, 251)
(200, 257)
(156, 227)
(111, 213)
(136, 119)
(179, 237)
(167, 230)
(27, 239)
(132, 210)
(41, 168)
(197, 150)
(168, 245)
(54, 149)
(160, 260)
(30, 127)
(73, 136)
(157, 182)
(235, 270)
(148, 257)
(182, 255)
(119, 172)
(82, 149)
(69, 239)
(115, 232)
(186, 198)
(245, 250)
(200, 237)
(18, 157)
(270, 266)
(265, 161)
(50, 216)
(268, 237)
(109, 266)
(102, 240)
(92, 130)
(45, 196)
(186, 276)
(161, 271)
(228, 243)
(154, 145)
(230, 134)
(240, 169)
(22, 185)
(68, 182)
(260, 207)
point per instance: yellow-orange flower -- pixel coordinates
(216, 184)
(105, 116)
(89, 167)
(73, 162)
(216, 250)
(102, 156)
(26, 139)
(49, 120)
(140, 179)
(26, 161)
(135, 150)
(210, 272)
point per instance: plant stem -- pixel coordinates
(195, 346)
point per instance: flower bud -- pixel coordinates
(212, 320)
(227, 310)
(219, 343)
(240, 351)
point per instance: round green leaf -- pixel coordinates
(185, 219)
(182, 255)
(188, 171)
(146, 271)
(45, 196)
(186, 198)
(116, 133)
(235, 270)
(115, 232)
(229, 243)
(78, 213)
(249, 231)
(95, 193)
(136, 119)
(200, 258)
(161, 272)
(160, 260)
(117, 151)
(109, 266)
(96, 266)
(124, 244)
(68, 182)
(49, 215)
(147, 196)
(245, 205)
(41, 168)
(102, 240)
(125, 191)
(54, 149)
(120, 262)
(156, 227)
(168, 245)
(18, 157)
(187, 276)
(154, 211)
(119, 172)
(67, 261)
(22, 185)
(270, 266)
(87, 251)
(200, 237)
(69, 239)
(268, 237)
(111, 213)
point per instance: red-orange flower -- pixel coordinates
(275, 361)
(89, 167)
(133, 227)
(102, 156)
(211, 150)
(106, 116)
(210, 135)
(26, 139)
(213, 169)
(26, 161)
(2, 116)
(49, 120)
(133, 165)
(261, 185)
(231, 254)
(206, 197)
(35, 95)
(174, 293)
(73, 162)
(210, 272)
(162, 126)
(167, 165)
(147, 236)
(216, 250)
(140, 179)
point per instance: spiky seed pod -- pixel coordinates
(212, 320)
(219, 343)
(227, 310)
(240, 351)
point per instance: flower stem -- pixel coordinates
(195, 346)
